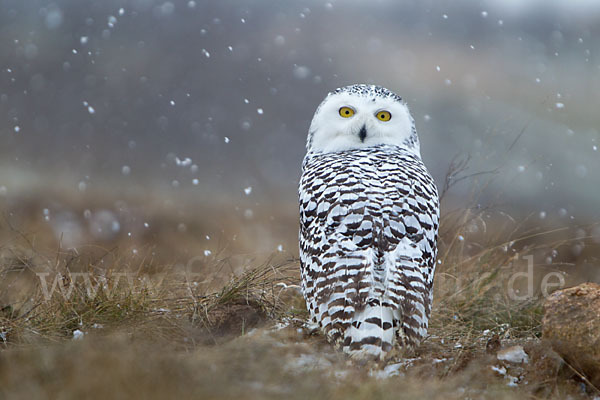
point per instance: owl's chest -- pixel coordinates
(347, 179)
(356, 196)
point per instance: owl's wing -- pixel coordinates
(410, 257)
(337, 263)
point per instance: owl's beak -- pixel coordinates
(362, 134)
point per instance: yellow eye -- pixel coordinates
(346, 112)
(384, 116)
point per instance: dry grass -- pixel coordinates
(230, 325)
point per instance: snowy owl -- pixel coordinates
(369, 213)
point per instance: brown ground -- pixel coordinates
(164, 320)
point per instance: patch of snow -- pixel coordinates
(279, 326)
(512, 381)
(499, 369)
(514, 354)
(389, 371)
(78, 335)
(308, 362)
(392, 369)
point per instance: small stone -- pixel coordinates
(78, 335)
(513, 354)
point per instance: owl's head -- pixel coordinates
(361, 116)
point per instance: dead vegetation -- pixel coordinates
(100, 320)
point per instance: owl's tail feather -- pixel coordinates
(371, 336)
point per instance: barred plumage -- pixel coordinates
(368, 225)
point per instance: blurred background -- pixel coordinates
(178, 127)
